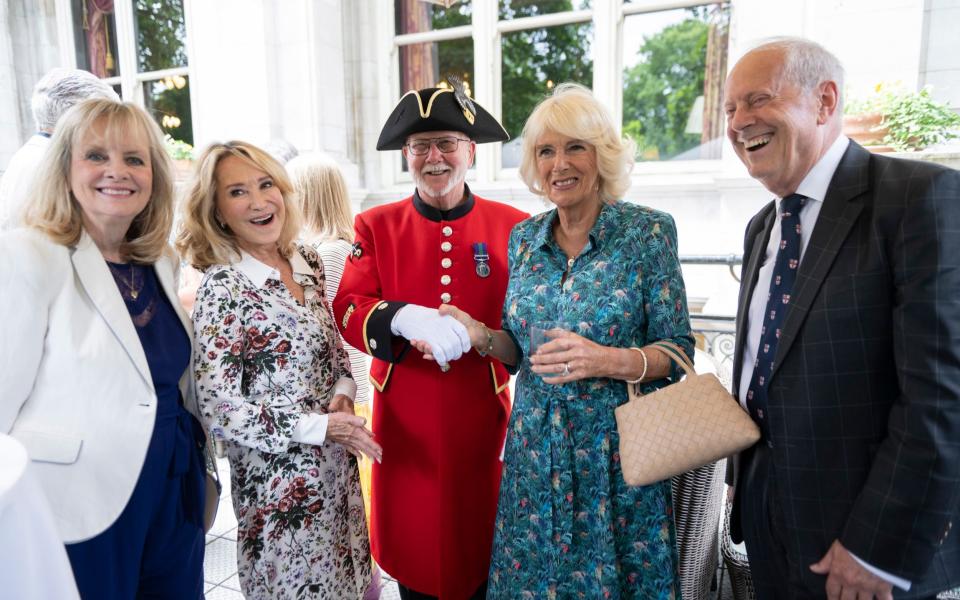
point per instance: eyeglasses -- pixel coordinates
(446, 145)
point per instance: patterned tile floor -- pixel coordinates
(220, 560)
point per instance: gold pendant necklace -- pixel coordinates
(129, 288)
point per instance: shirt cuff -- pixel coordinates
(346, 386)
(312, 429)
(901, 583)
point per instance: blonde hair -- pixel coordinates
(572, 111)
(56, 212)
(323, 198)
(201, 240)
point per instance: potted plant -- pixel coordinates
(182, 155)
(894, 118)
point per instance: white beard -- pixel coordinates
(457, 176)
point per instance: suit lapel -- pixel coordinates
(749, 273)
(95, 277)
(837, 216)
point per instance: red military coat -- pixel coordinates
(435, 493)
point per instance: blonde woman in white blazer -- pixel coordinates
(94, 357)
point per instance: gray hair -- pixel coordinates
(282, 150)
(60, 89)
(806, 64)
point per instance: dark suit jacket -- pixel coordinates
(864, 399)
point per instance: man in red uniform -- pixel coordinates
(441, 424)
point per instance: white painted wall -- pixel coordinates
(230, 74)
(941, 52)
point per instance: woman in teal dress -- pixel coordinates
(567, 525)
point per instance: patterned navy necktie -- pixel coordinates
(785, 268)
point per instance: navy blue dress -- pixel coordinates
(155, 547)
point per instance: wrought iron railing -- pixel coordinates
(716, 334)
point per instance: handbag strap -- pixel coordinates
(676, 354)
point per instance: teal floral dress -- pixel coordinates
(567, 525)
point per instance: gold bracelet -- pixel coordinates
(489, 347)
(644, 373)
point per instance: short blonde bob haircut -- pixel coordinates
(55, 211)
(323, 197)
(573, 112)
(201, 240)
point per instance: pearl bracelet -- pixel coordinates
(644, 373)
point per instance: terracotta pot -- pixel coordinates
(866, 129)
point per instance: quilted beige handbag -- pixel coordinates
(680, 427)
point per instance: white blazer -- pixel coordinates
(75, 386)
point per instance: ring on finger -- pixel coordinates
(566, 369)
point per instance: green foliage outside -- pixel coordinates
(530, 58)
(535, 57)
(659, 91)
(914, 120)
(160, 35)
(160, 45)
(176, 149)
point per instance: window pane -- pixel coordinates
(95, 36)
(512, 9)
(675, 62)
(160, 35)
(534, 61)
(168, 100)
(415, 16)
(428, 65)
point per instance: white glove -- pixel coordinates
(447, 337)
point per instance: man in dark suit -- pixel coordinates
(848, 346)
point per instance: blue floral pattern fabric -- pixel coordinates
(567, 525)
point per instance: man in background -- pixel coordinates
(53, 95)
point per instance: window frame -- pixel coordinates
(487, 31)
(131, 81)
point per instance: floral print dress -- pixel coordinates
(567, 525)
(263, 360)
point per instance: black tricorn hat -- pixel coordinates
(439, 109)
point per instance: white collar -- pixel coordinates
(814, 185)
(258, 272)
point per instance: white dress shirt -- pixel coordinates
(312, 427)
(814, 187)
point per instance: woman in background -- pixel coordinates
(328, 227)
(273, 382)
(94, 357)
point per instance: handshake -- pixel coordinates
(441, 333)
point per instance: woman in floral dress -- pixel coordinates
(567, 525)
(274, 382)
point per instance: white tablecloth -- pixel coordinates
(33, 561)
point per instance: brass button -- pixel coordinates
(445, 263)
(445, 280)
(448, 231)
(373, 344)
(445, 298)
(446, 246)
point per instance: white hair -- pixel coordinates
(806, 64)
(60, 89)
